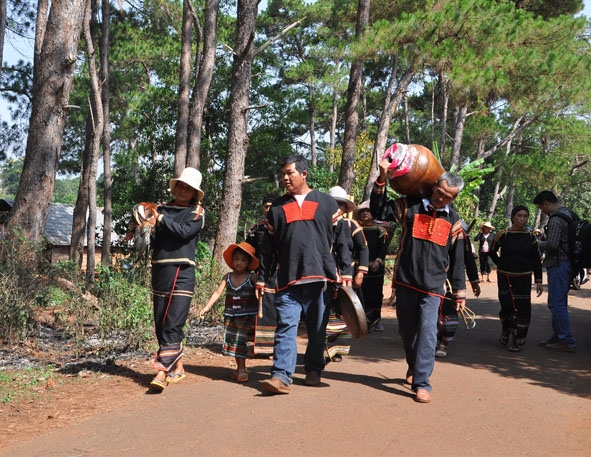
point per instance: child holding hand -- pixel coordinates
(241, 305)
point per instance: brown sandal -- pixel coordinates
(514, 347)
(504, 339)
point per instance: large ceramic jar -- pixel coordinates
(413, 170)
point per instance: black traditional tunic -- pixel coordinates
(173, 276)
(431, 247)
(302, 238)
(517, 256)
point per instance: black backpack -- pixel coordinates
(579, 240)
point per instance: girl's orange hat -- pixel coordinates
(246, 247)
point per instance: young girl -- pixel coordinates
(241, 304)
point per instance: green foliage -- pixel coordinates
(10, 175)
(22, 385)
(18, 285)
(126, 308)
(119, 312)
(208, 275)
(322, 179)
(134, 184)
(66, 191)
(53, 296)
(473, 174)
(361, 167)
(577, 196)
(498, 58)
(78, 317)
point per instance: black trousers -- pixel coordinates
(172, 291)
(373, 295)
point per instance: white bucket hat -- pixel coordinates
(191, 177)
(487, 225)
(340, 195)
(360, 207)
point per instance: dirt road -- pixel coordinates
(486, 402)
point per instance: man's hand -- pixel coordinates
(358, 280)
(476, 289)
(384, 164)
(375, 265)
(460, 304)
(347, 282)
(539, 289)
(259, 292)
(154, 219)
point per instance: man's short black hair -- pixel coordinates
(299, 160)
(545, 196)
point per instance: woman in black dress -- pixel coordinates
(515, 252)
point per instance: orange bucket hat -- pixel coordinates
(246, 247)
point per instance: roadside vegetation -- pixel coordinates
(115, 318)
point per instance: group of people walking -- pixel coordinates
(305, 248)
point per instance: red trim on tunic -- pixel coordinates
(294, 213)
(431, 229)
(408, 286)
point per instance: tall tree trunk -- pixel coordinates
(237, 127)
(461, 112)
(97, 131)
(444, 104)
(519, 125)
(509, 201)
(498, 194)
(510, 198)
(180, 149)
(406, 119)
(391, 101)
(479, 152)
(311, 124)
(363, 122)
(433, 114)
(202, 82)
(347, 174)
(56, 46)
(333, 126)
(2, 31)
(107, 177)
(81, 207)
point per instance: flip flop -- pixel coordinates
(156, 384)
(242, 378)
(234, 375)
(175, 377)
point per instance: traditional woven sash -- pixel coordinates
(432, 229)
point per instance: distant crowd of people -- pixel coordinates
(309, 244)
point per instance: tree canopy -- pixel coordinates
(504, 82)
